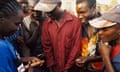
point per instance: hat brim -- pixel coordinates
(44, 7)
(101, 23)
(113, 17)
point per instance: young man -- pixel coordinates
(60, 36)
(86, 10)
(109, 32)
(24, 5)
(31, 33)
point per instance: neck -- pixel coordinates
(60, 15)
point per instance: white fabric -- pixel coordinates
(100, 23)
(44, 7)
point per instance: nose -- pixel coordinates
(100, 32)
(80, 16)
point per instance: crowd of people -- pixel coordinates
(39, 36)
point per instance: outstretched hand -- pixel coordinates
(81, 61)
(33, 61)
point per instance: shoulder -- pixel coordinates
(3, 45)
(70, 18)
(69, 15)
(47, 20)
(115, 52)
(46, 23)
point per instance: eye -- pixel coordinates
(104, 29)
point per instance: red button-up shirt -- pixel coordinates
(62, 44)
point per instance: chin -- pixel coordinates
(83, 21)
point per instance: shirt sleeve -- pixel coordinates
(75, 51)
(4, 58)
(3, 54)
(47, 46)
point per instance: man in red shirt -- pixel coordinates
(60, 37)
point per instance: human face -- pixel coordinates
(109, 33)
(24, 5)
(53, 14)
(10, 24)
(36, 14)
(83, 11)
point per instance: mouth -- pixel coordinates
(82, 20)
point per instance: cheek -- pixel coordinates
(87, 15)
(11, 27)
(114, 36)
(84, 15)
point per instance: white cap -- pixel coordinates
(46, 5)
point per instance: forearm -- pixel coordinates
(33, 38)
(75, 51)
(108, 64)
(94, 58)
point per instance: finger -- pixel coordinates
(101, 43)
(79, 65)
(77, 60)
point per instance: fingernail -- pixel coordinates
(106, 43)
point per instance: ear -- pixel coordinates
(94, 8)
(2, 17)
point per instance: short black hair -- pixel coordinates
(91, 3)
(7, 7)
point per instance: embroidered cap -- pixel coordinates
(108, 19)
(46, 5)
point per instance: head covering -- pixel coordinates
(32, 2)
(108, 19)
(23, 1)
(46, 5)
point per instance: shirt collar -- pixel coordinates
(66, 17)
